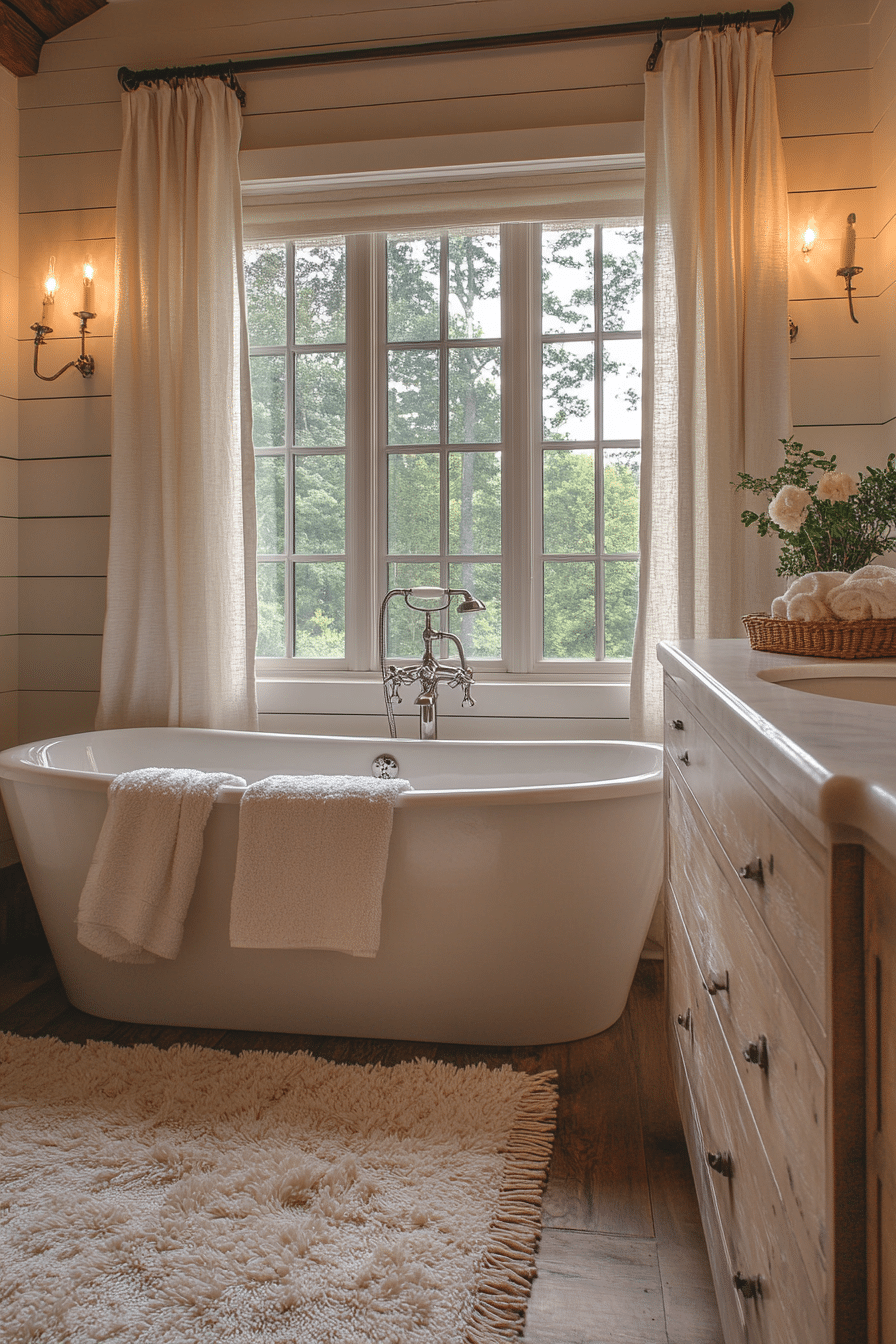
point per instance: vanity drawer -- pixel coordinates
(759, 1241)
(784, 1081)
(789, 891)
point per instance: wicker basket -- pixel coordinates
(823, 639)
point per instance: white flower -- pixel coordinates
(789, 507)
(837, 485)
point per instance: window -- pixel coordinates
(451, 407)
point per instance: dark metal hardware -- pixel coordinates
(228, 70)
(84, 363)
(757, 1053)
(677, 724)
(749, 1287)
(684, 758)
(721, 1162)
(752, 872)
(715, 984)
(684, 1020)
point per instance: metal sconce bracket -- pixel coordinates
(84, 363)
(849, 272)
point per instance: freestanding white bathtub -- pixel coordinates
(522, 877)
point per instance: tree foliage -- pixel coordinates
(590, 506)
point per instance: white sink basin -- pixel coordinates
(874, 682)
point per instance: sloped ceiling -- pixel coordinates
(25, 26)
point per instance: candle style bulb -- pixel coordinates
(88, 272)
(848, 249)
(51, 284)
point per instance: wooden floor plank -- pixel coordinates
(595, 1289)
(598, 1176)
(22, 975)
(690, 1302)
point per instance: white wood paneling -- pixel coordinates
(9, 605)
(64, 487)
(840, 391)
(52, 713)
(830, 103)
(9, 537)
(61, 606)
(9, 669)
(68, 181)
(59, 662)
(72, 426)
(828, 162)
(61, 546)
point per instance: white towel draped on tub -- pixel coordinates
(311, 862)
(140, 882)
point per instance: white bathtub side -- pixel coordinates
(502, 925)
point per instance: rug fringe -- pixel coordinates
(507, 1268)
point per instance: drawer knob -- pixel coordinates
(684, 758)
(721, 1162)
(684, 1020)
(748, 1287)
(716, 984)
(757, 1053)
(752, 872)
(677, 724)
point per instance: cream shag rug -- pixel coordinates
(190, 1196)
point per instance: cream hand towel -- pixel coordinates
(868, 594)
(807, 598)
(311, 861)
(140, 882)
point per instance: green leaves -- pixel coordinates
(837, 534)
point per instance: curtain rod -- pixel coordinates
(228, 70)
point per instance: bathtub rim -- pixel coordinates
(16, 767)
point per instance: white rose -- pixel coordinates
(789, 507)
(836, 485)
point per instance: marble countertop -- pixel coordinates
(834, 758)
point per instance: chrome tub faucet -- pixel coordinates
(427, 671)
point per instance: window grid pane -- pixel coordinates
(443, 387)
(297, 299)
(591, 283)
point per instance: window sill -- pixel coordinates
(497, 696)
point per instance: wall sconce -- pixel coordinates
(84, 363)
(808, 242)
(847, 266)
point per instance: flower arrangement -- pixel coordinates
(832, 523)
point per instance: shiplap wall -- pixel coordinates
(9, 426)
(835, 66)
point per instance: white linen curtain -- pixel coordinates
(179, 639)
(716, 348)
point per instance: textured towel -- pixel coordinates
(868, 594)
(311, 862)
(140, 882)
(807, 598)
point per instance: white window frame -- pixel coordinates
(521, 477)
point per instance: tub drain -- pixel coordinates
(384, 767)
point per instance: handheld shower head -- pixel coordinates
(469, 604)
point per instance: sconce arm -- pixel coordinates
(84, 363)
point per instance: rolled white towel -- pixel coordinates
(868, 594)
(807, 597)
(804, 607)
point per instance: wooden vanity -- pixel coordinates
(781, 992)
